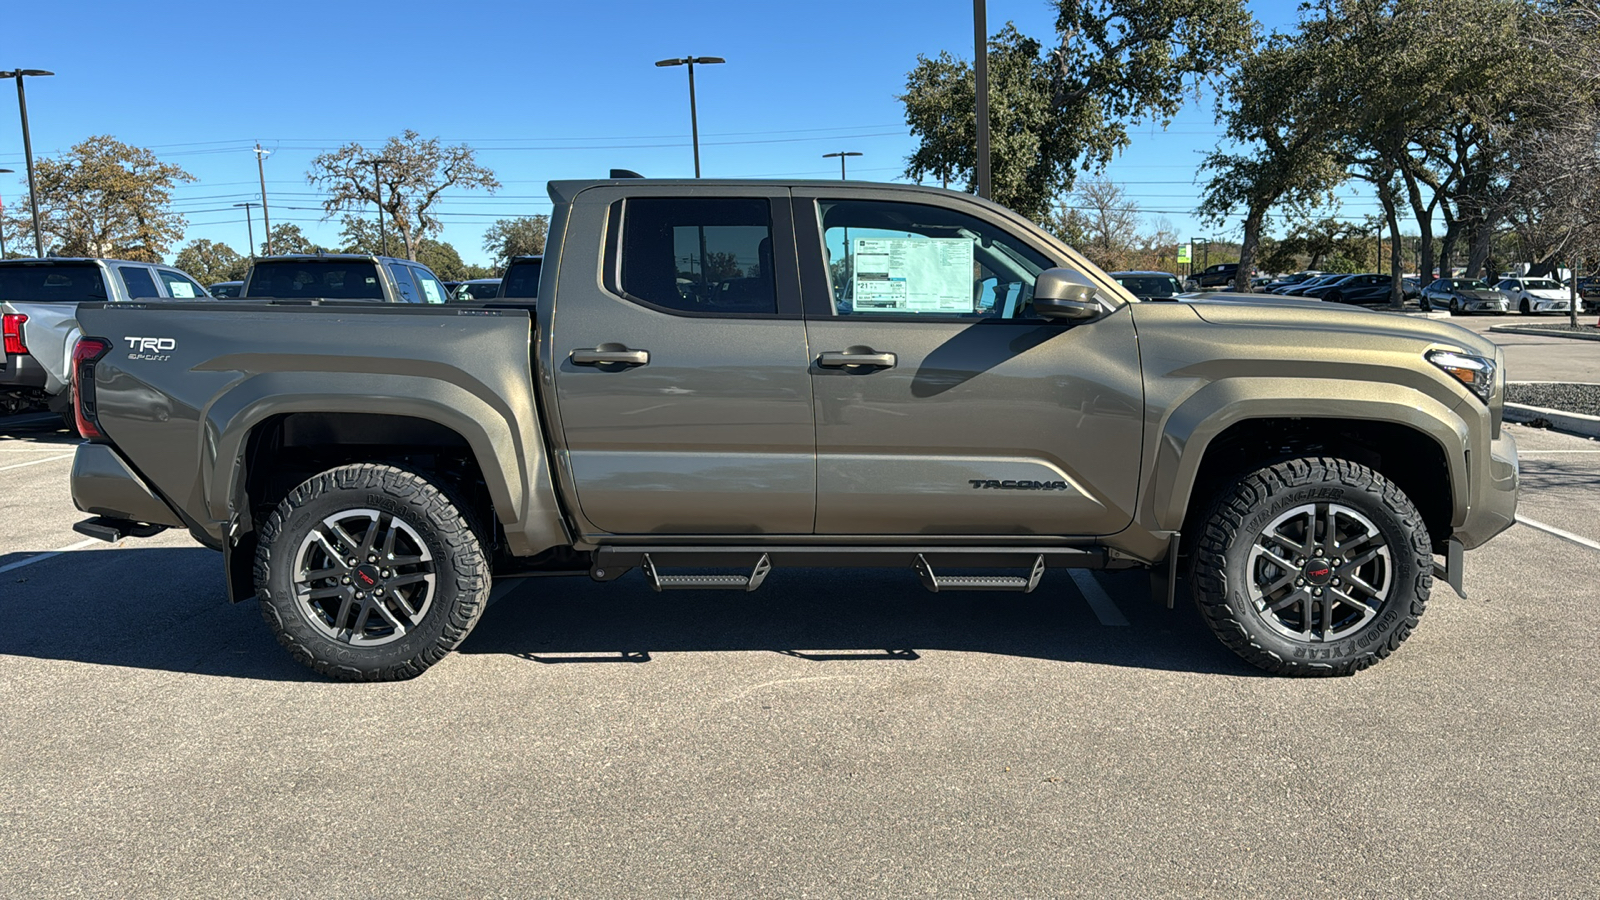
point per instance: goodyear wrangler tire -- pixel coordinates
(1313, 567)
(370, 573)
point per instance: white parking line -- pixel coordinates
(1562, 533)
(35, 462)
(1534, 452)
(1099, 601)
(44, 556)
(58, 448)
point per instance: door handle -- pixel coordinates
(614, 357)
(843, 359)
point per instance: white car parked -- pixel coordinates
(1535, 295)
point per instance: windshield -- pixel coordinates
(1471, 284)
(521, 281)
(1150, 285)
(304, 279)
(1541, 284)
(36, 283)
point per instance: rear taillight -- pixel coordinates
(11, 327)
(84, 355)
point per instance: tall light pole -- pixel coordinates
(266, 223)
(841, 154)
(377, 188)
(27, 149)
(980, 68)
(694, 119)
(3, 217)
(249, 225)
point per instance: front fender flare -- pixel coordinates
(1190, 427)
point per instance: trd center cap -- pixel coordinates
(366, 578)
(1318, 572)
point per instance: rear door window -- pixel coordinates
(138, 282)
(711, 256)
(403, 283)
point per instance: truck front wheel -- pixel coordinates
(1313, 567)
(370, 573)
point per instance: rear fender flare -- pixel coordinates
(522, 494)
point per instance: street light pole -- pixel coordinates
(249, 225)
(841, 154)
(694, 118)
(261, 170)
(27, 150)
(377, 188)
(3, 217)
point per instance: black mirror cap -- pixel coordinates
(1070, 310)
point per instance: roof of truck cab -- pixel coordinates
(567, 189)
(77, 260)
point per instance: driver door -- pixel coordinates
(965, 414)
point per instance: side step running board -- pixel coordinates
(935, 582)
(747, 583)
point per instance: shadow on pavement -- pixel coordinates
(44, 428)
(833, 616)
(165, 609)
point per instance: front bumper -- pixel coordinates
(1497, 306)
(1539, 305)
(1493, 507)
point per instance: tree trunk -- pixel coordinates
(1478, 251)
(1424, 216)
(1447, 245)
(1247, 249)
(1396, 299)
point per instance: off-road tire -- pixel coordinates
(432, 522)
(1227, 585)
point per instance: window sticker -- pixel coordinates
(180, 289)
(918, 275)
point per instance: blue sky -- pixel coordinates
(542, 90)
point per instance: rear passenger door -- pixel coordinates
(679, 358)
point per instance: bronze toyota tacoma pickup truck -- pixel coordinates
(743, 375)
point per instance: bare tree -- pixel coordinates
(410, 173)
(1110, 221)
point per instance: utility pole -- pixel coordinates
(27, 151)
(694, 119)
(249, 225)
(261, 170)
(980, 68)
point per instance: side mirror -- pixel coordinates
(1064, 294)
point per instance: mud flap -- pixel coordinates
(1451, 569)
(238, 564)
(1164, 574)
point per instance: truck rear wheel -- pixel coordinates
(370, 573)
(1313, 567)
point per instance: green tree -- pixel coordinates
(1278, 152)
(509, 238)
(1117, 63)
(211, 261)
(411, 176)
(287, 238)
(360, 235)
(104, 198)
(442, 259)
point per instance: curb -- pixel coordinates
(1540, 332)
(1572, 423)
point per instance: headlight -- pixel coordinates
(1475, 372)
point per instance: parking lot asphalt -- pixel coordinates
(837, 734)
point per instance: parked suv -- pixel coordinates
(1219, 275)
(343, 276)
(38, 310)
